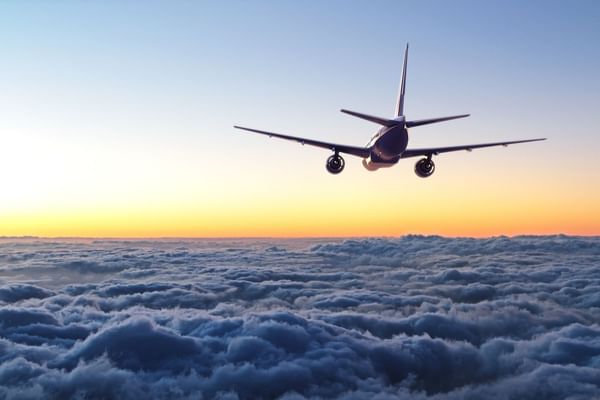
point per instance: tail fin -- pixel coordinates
(402, 89)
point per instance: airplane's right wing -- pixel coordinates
(468, 147)
(355, 151)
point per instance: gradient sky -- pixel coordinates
(116, 117)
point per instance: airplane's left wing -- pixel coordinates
(468, 147)
(355, 151)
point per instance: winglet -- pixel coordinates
(400, 103)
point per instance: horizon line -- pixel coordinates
(133, 238)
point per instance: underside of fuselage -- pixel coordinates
(372, 165)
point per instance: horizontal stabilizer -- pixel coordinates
(372, 118)
(410, 124)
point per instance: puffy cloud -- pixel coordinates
(414, 317)
(15, 292)
(26, 316)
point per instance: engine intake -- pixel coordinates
(424, 167)
(335, 164)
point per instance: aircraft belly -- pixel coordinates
(373, 164)
(375, 161)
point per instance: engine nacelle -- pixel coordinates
(335, 164)
(424, 167)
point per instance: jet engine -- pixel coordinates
(335, 164)
(424, 167)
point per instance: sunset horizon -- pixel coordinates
(126, 128)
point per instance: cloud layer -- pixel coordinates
(415, 317)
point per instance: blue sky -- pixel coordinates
(198, 59)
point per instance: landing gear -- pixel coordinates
(424, 167)
(335, 164)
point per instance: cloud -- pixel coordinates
(16, 292)
(11, 317)
(418, 317)
(137, 344)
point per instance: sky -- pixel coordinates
(116, 117)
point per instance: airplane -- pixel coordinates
(389, 144)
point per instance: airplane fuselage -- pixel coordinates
(390, 144)
(386, 147)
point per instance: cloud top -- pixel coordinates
(419, 317)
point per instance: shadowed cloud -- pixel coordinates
(415, 317)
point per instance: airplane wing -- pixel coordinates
(467, 147)
(355, 151)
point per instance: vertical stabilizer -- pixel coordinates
(401, 90)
